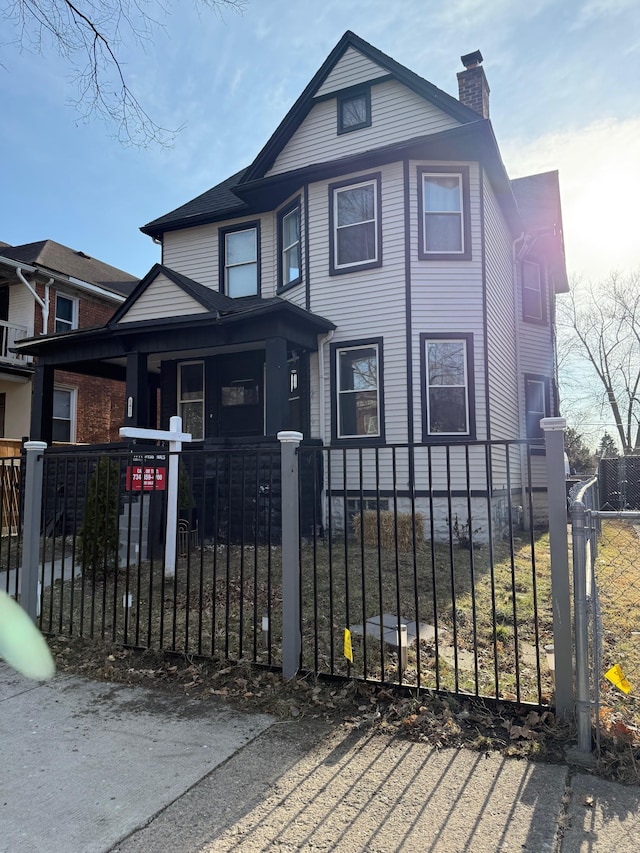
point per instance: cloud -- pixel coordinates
(595, 10)
(600, 184)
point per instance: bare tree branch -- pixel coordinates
(89, 35)
(599, 333)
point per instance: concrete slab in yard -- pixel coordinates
(85, 763)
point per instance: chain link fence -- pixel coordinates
(606, 559)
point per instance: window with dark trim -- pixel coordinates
(64, 414)
(354, 110)
(66, 317)
(536, 403)
(533, 293)
(357, 408)
(443, 213)
(289, 246)
(240, 260)
(191, 397)
(447, 386)
(354, 223)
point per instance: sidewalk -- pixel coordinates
(102, 767)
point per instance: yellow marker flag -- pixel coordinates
(616, 677)
(348, 651)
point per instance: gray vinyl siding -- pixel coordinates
(162, 298)
(504, 382)
(353, 68)
(397, 113)
(501, 322)
(446, 296)
(369, 303)
(194, 252)
(536, 340)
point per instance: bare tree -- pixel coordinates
(90, 34)
(599, 333)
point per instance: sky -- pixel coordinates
(564, 95)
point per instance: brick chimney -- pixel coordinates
(472, 84)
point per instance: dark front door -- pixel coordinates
(241, 393)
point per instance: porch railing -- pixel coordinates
(10, 333)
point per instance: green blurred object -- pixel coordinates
(21, 644)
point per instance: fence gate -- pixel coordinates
(607, 611)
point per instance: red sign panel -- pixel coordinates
(146, 479)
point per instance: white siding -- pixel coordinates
(162, 298)
(501, 322)
(352, 68)
(194, 252)
(17, 416)
(21, 307)
(369, 303)
(446, 297)
(536, 340)
(397, 113)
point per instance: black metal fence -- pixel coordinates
(619, 483)
(426, 566)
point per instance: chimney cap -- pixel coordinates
(471, 60)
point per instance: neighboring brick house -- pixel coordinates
(45, 283)
(372, 278)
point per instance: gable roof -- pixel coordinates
(305, 102)
(211, 300)
(69, 263)
(236, 195)
(538, 200)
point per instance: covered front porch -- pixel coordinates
(237, 370)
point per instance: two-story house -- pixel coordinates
(373, 277)
(48, 288)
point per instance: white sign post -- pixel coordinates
(176, 438)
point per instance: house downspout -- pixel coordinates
(323, 382)
(44, 305)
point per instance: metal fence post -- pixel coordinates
(291, 639)
(557, 503)
(583, 703)
(31, 530)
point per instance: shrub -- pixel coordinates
(99, 532)
(403, 522)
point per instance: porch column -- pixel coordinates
(276, 385)
(136, 405)
(42, 404)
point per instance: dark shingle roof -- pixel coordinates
(68, 262)
(221, 202)
(217, 201)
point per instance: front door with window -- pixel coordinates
(241, 393)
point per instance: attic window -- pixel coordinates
(354, 110)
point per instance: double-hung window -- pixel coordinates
(533, 295)
(64, 414)
(240, 261)
(443, 214)
(66, 313)
(355, 225)
(357, 370)
(536, 403)
(191, 398)
(289, 248)
(448, 388)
